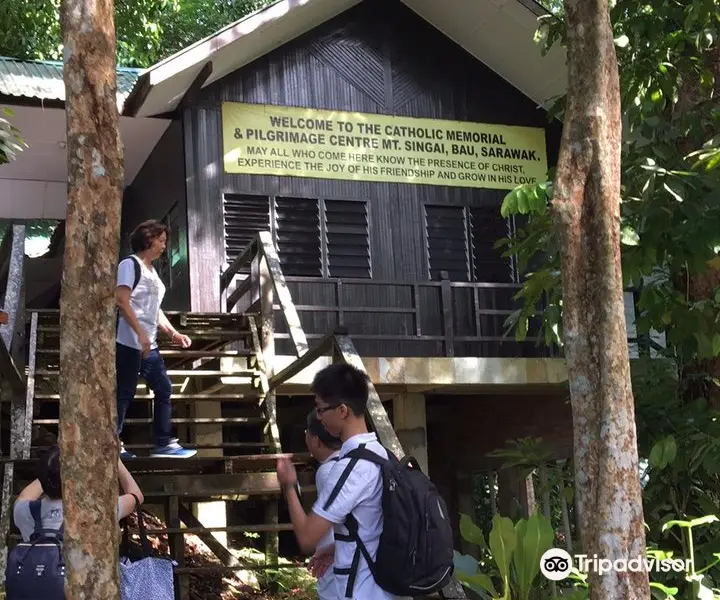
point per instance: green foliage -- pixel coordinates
(670, 229)
(696, 584)
(515, 550)
(147, 30)
(10, 140)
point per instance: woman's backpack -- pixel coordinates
(36, 568)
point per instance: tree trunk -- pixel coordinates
(88, 442)
(586, 213)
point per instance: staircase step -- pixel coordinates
(156, 485)
(181, 421)
(179, 353)
(193, 486)
(219, 464)
(262, 528)
(195, 334)
(175, 373)
(224, 445)
(201, 397)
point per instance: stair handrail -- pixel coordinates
(12, 256)
(262, 249)
(338, 342)
(343, 349)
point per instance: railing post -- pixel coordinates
(14, 305)
(446, 306)
(267, 346)
(14, 302)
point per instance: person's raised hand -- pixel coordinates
(286, 474)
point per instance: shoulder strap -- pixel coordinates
(35, 513)
(343, 477)
(138, 270)
(363, 453)
(35, 507)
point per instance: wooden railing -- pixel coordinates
(265, 281)
(12, 253)
(13, 392)
(427, 318)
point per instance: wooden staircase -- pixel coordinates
(224, 404)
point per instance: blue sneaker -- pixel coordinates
(172, 450)
(125, 454)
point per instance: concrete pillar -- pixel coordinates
(210, 514)
(410, 422)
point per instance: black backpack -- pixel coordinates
(36, 569)
(415, 551)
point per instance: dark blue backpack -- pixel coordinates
(36, 569)
(415, 550)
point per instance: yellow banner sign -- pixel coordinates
(279, 140)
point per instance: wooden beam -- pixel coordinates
(5, 512)
(25, 442)
(375, 409)
(240, 260)
(217, 548)
(14, 305)
(297, 334)
(193, 91)
(9, 372)
(214, 485)
(304, 361)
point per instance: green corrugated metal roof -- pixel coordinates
(44, 79)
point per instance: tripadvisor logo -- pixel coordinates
(556, 564)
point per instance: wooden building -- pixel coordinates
(374, 140)
(409, 268)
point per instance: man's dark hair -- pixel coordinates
(316, 428)
(49, 473)
(342, 384)
(144, 234)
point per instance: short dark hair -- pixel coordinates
(342, 384)
(143, 235)
(49, 473)
(316, 428)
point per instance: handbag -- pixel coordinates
(149, 577)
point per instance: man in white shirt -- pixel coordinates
(136, 348)
(341, 394)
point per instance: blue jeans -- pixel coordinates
(130, 366)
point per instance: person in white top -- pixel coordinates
(136, 348)
(325, 449)
(341, 395)
(47, 491)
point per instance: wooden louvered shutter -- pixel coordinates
(347, 237)
(447, 242)
(244, 216)
(487, 226)
(297, 235)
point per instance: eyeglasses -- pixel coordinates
(327, 408)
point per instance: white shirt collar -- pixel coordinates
(356, 440)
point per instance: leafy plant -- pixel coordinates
(11, 141)
(515, 550)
